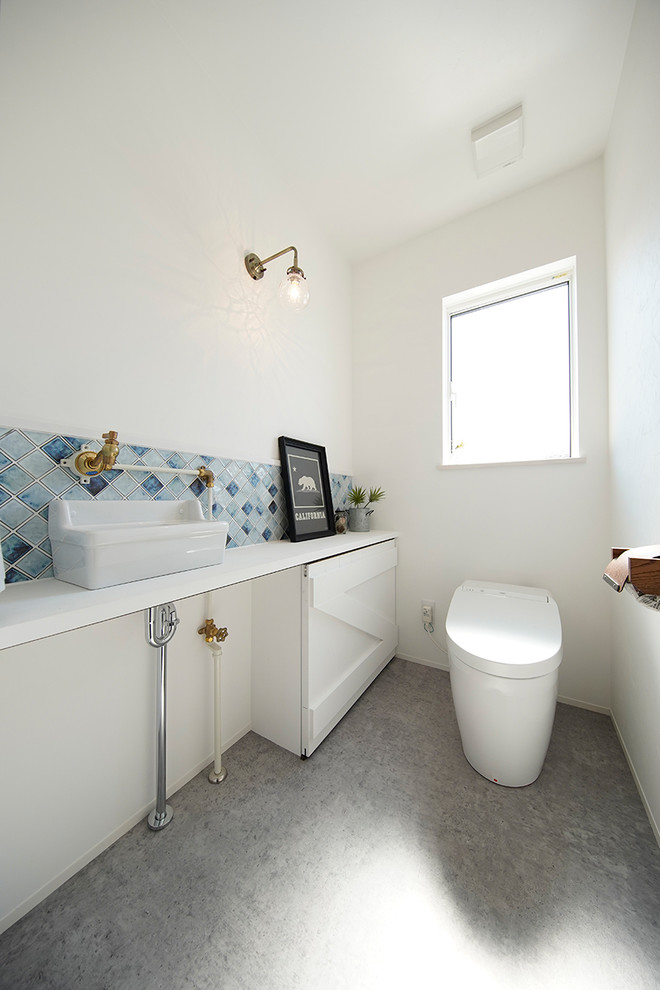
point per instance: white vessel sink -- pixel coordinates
(99, 544)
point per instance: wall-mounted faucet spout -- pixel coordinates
(89, 463)
(206, 475)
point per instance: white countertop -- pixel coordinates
(31, 610)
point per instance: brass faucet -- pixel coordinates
(206, 475)
(88, 462)
(210, 632)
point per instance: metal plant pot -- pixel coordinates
(358, 519)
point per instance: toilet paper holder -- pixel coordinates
(643, 570)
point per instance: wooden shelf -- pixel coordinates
(643, 568)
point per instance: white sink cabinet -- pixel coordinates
(321, 635)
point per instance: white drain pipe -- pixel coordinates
(218, 773)
(214, 638)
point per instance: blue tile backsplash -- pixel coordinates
(247, 494)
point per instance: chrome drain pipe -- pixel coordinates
(160, 625)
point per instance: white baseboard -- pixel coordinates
(230, 742)
(575, 703)
(438, 664)
(640, 789)
(30, 902)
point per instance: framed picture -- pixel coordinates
(306, 490)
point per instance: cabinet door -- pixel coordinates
(349, 633)
(276, 653)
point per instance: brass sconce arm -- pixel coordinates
(256, 267)
(293, 289)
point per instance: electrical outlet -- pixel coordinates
(428, 610)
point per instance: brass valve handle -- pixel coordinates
(211, 632)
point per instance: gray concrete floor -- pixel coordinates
(382, 861)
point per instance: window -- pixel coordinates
(510, 369)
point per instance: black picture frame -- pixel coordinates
(307, 491)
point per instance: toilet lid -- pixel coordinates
(504, 629)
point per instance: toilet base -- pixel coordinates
(520, 780)
(505, 723)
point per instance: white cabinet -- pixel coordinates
(315, 651)
(349, 634)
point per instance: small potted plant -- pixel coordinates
(359, 501)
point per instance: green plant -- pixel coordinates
(358, 497)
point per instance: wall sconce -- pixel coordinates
(293, 291)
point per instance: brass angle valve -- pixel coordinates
(211, 632)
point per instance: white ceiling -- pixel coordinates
(368, 104)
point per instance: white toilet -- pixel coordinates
(505, 648)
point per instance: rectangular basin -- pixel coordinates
(100, 544)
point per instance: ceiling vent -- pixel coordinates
(498, 142)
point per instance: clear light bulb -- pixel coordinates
(293, 290)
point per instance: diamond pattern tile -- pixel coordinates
(14, 444)
(176, 486)
(13, 513)
(36, 496)
(37, 463)
(34, 563)
(34, 531)
(57, 481)
(125, 483)
(57, 448)
(13, 548)
(248, 495)
(109, 494)
(14, 479)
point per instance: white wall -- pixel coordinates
(633, 264)
(543, 525)
(130, 193)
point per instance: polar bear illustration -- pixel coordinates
(307, 484)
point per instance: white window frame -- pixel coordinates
(492, 292)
